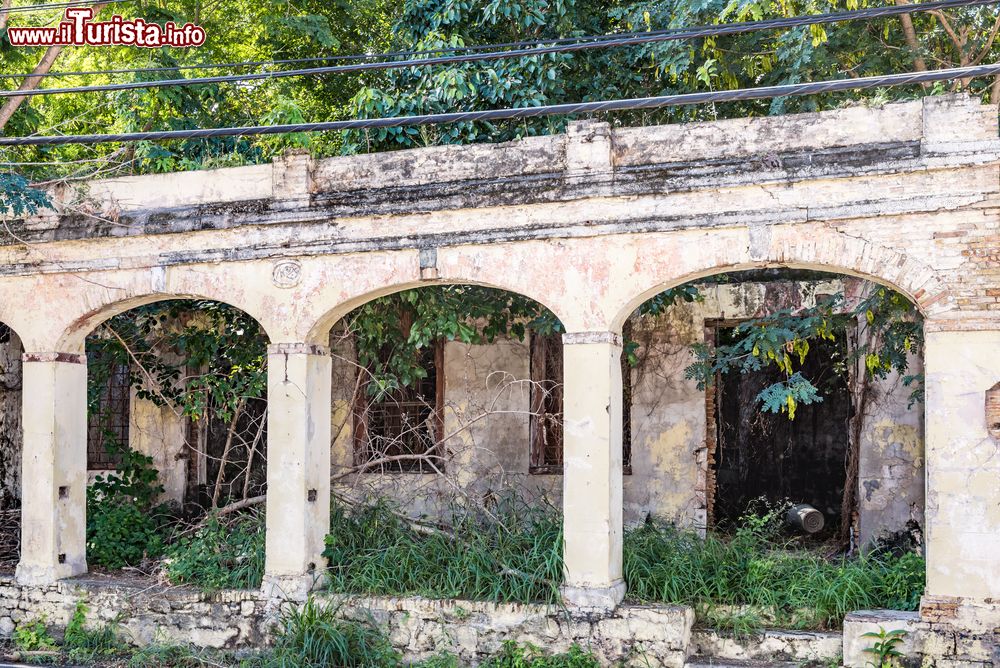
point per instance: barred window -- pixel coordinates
(402, 431)
(546, 421)
(108, 420)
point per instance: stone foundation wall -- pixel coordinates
(634, 635)
(417, 627)
(945, 634)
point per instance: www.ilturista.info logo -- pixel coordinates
(78, 28)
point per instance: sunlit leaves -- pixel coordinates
(782, 339)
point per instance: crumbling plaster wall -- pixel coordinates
(589, 223)
(486, 415)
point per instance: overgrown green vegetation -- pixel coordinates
(313, 636)
(891, 331)
(755, 578)
(91, 644)
(512, 655)
(220, 555)
(406, 322)
(125, 523)
(314, 28)
(515, 554)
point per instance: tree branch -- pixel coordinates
(37, 75)
(4, 15)
(910, 35)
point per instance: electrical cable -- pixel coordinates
(598, 42)
(784, 90)
(892, 10)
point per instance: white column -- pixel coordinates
(54, 468)
(298, 468)
(963, 468)
(592, 469)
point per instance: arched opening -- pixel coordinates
(748, 393)
(177, 428)
(11, 439)
(447, 422)
(716, 371)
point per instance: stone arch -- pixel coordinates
(793, 248)
(820, 249)
(73, 337)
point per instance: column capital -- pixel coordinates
(298, 349)
(574, 338)
(68, 358)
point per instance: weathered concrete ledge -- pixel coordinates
(771, 645)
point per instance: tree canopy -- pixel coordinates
(239, 30)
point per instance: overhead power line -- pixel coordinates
(785, 90)
(58, 5)
(596, 42)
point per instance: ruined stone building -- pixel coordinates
(590, 224)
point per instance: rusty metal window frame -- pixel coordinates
(396, 425)
(111, 421)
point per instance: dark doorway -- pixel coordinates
(766, 455)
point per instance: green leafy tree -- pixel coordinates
(389, 332)
(18, 198)
(204, 359)
(268, 31)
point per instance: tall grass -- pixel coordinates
(516, 555)
(750, 579)
(312, 636)
(792, 588)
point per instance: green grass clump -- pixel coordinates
(744, 581)
(312, 636)
(758, 574)
(514, 556)
(512, 655)
(220, 555)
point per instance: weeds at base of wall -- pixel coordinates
(309, 636)
(756, 578)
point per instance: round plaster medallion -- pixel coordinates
(287, 273)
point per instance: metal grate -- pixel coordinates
(406, 424)
(108, 424)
